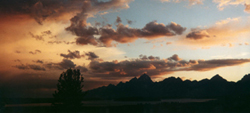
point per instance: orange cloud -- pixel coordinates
(224, 31)
(223, 3)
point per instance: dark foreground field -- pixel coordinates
(233, 105)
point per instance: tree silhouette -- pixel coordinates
(69, 92)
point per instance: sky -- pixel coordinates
(115, 40)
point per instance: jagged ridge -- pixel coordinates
(172, 87)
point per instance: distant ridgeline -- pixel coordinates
(145, 88)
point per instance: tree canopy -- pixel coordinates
(69, 92)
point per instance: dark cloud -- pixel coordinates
(111, 70)
(153, 58)
(129, 21)
(178, 29)
(35, 52)
(59, 42)
(86, 40)
(30, 66)
(43, 34)
(40, 10)
(79, 28)
(21, 66)
(118, 19)
(38, 51)
(36, 67)
(144, 57)
(64, 64)
(17, 60)
(124, 34)
(82, 68)
(207, 65)
(72, 55)
(155, 67)
(175, 57)
(46, 32)
(159, 29)
(197, 34)
(68, 42)
(97, 23)
(91, 55)
(17, 51)
(37, 37)
(54, 42)
(79, 22)
(38, 61)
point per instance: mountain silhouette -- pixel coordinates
(218, 78)
(144, 88)
(145, 78)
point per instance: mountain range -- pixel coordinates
(144, 88)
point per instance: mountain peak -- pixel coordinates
(172, 80)
(246, 78)
(145, 77)
(133, 79)
(217, 77)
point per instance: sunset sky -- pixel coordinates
(115, 40)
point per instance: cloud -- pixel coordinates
(17, 51)
(168, 43)
(22, 67)
(155, 67)
(125, 34)
(40, 10)
(82, 68)
(175, 57)
(36, 51)
(48, 32)
(17, 60)
(36, 67)
(129, 21)
(37, 37)
(216, 63)
(194, 2)
(91, 55)
(197, 34)
(64, 64)
(59, 42)
(79, 22)
(30, 66)
(38, 61)
(118, 19)
(144, 57)
(224, 31)
(247, 8)
(223, 3)
(42, 35)
(72, 55)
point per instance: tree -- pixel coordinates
(69, 92)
